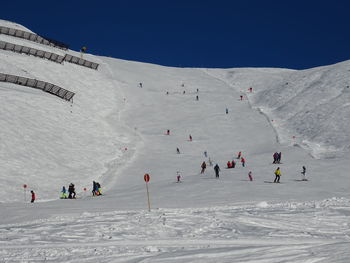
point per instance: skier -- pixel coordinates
(197, 90)
(64, 193)
(279, 157)
(241, 97)
(278, 175)
(205, 154)
(217, 170)
(183, 92)
(233, 163)
(243, 162)
(190, 137)
(33, 196)
(303, 177)
(275, 157)
(140, 84)
(71, 191)
(250, 176)
(203, 166)
(229, 164)
(239, 155)
(177, 150)
(250, 89)
(197, 98)
(226, 110)
(178, 177)
(167, 93)
(93, 188)
(98, 189)
(168, 132)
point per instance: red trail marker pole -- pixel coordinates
(146, 177)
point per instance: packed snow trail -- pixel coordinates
(260, 232)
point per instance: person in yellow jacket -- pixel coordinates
(278, 175)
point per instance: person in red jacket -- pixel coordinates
(243, 162)
(33, 196)
(239, 155)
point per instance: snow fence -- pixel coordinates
(38, 84)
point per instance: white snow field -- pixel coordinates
(115, 131)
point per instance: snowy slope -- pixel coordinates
(115, 132)
(312, 105)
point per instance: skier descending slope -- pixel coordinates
(217, 170)
(278, 175)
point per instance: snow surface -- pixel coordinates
(115, 132)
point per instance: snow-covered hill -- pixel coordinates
(115, 132)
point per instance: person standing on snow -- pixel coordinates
(250, 175)
(203, 166)
(190, 137)
(233, 163)
(275, 157)
(239, 155)
(64, 193)
(217, 170)
(278, 175)
(279, 157)
(303, 177)
(177, 150)
(33, 196)
(243, 162)
(205, 154)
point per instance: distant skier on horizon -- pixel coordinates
(177, 150)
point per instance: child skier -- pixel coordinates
(63, 193)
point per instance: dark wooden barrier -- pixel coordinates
(32, 37)
(31, 51)
(38, 84)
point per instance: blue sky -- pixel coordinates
(193, 33)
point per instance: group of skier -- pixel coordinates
(71, 194)
(277, 157)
